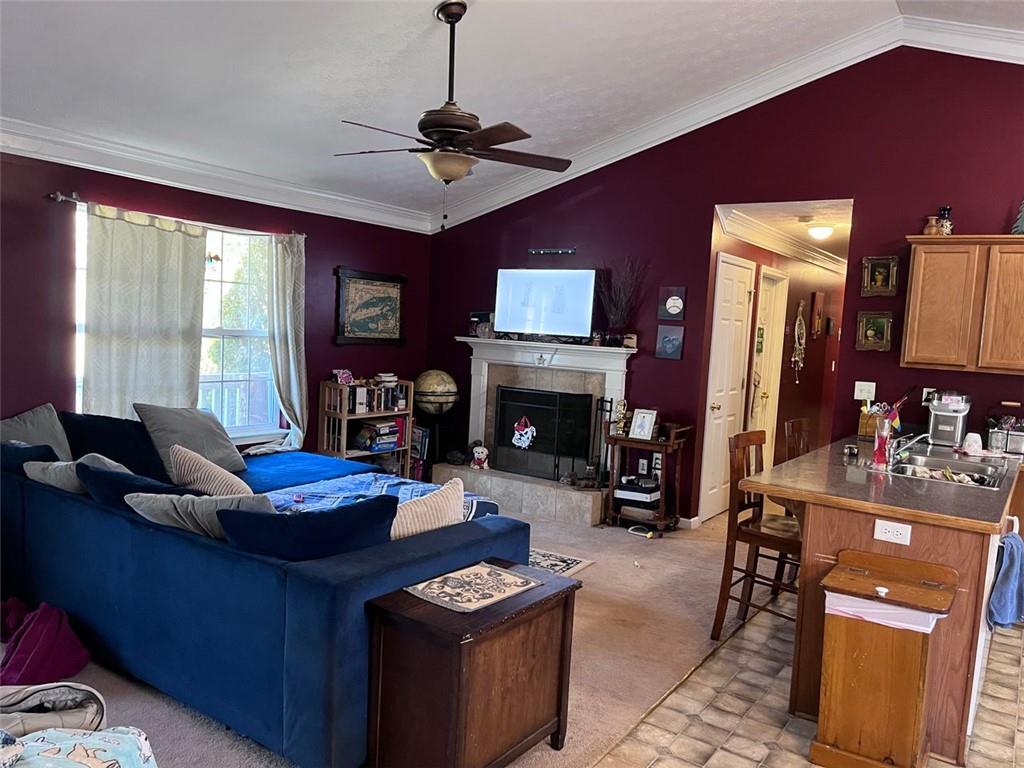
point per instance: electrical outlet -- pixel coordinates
(926, 395)
(656, 461)
(641, 467)
(896, 533)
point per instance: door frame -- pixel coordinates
(775, 338)
(736, 261)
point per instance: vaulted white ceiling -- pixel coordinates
(245, 98)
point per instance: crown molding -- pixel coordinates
(43, 143)
(944, 36)
(744, 227)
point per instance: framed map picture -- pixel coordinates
(369, 307)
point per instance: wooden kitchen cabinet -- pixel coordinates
(965, 303)
(1002, 323)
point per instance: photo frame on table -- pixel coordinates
(878, 276)
(369, 307)
(642, 426)
(670, 342)
(671, 302)
(874, 331)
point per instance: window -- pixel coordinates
(235, 382)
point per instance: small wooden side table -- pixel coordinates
(470, 690)
(665, 516)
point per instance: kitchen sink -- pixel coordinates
(984, 471)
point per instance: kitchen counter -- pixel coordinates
(839, 502)
(826, 476)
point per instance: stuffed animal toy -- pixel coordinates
(479, 460)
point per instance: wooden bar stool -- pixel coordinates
(748, 524)
(797, 438)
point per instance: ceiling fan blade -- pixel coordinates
(500, 133)
(393, 133)
(379, 151)
(521, 158)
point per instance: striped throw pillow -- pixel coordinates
(435, 510)
(192, 471)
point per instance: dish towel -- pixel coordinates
(1006, 603)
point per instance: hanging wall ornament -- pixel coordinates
(523, 434)
(799, 340)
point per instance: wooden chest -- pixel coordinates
(469, 690)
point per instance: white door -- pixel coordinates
(726, 400)
(766, 364)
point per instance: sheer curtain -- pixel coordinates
(286, 328)
(143, 312)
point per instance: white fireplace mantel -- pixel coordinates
(610, 361)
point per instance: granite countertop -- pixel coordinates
(826, 476)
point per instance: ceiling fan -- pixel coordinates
(452, 139)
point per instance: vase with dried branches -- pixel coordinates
(619, 290)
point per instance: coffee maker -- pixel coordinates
(947, 417)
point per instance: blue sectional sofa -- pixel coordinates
(278, 651)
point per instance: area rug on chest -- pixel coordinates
(642, 622)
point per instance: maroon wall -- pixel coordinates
(901, 133)
(37, 271)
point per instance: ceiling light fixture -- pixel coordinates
(446, 165)
(820, 231)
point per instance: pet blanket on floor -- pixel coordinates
(43, 648)
(326, 494)
(120, 747)
(28, 708)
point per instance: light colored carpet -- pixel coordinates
(642, 622)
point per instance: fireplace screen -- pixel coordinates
(543, 434)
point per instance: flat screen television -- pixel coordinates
(547, 302)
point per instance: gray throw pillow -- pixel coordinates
(191, 428)
(194, 513)
(39, 426)
(62, 474)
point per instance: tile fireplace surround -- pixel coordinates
(569, 368)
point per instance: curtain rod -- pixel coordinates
(60, 197)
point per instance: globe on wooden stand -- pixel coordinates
(435, 393)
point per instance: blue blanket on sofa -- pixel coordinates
(325, 494)
(283, 470)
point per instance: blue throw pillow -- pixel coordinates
(311, 535)
(14, 454)
(110, 487)
(125, 441)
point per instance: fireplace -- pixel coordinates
(540, 433)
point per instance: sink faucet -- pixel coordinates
(900, 444)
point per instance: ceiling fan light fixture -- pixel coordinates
(447, 166)
(820, 231)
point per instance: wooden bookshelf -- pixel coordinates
(338, 424)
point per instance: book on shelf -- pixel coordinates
(420, 442)
(380, 435)
(367, 398)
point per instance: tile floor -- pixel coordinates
(731, 712)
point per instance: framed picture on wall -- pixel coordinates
(817, 313)
(671, 302)
(878, 276)
(874, 331)
(369, 307)
(670, 342)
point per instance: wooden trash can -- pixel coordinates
(879, 615)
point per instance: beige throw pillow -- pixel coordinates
(192, 471)
(63, 475)
(39, 426)
(194, 513)
(435, 510)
